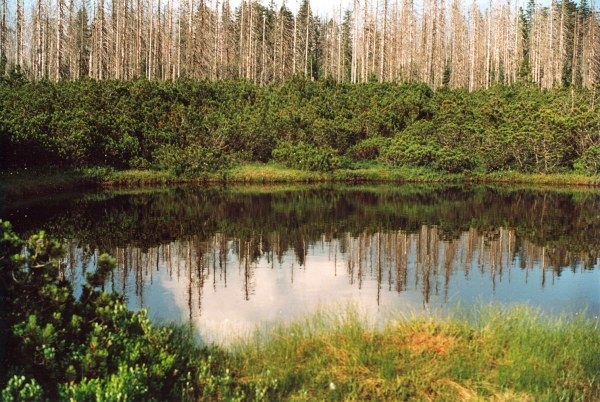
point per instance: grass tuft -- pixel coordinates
(492, 354)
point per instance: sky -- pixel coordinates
(330, 8)
(322, 8)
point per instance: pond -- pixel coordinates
(232, 259)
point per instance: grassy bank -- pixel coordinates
(19, 183)
(492, 354)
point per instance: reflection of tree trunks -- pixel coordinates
(367, 256)
(424, 263)
(481, 255)
(378, 267)
(126, 267)
(434, 252)
(449, 257)
(350, 251)
(215, 246)
(388, 252)
(247, 276)
(223, 258)
(359, 275)
(200, 269)
(139, 274)
(188, 269)
(510, 248)
(543, 267)
(168, 259)
(401, 261)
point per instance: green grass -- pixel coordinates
(555, 179)
(495, 354)
(270, 173)
(18, 183)
(259, 173)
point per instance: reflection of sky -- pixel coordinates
(568, 293)
(286, 291)
(275, 298)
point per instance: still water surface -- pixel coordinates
(234, 259)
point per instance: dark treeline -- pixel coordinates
(438, 42)
(191, 127)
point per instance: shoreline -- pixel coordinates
(31, 182)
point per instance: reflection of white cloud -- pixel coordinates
(439, 276)
(281, 292)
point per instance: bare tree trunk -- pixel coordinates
(190, 41)
(216, 66)
(149, 53)
(40, 41)
(3, 35)
(241, 44)
(294, 46)
(591, 52)
(574, 56)
(306, 43)
(250, 47)
(354, 67)
(340, 58)
(263, 52)
(383, 43)
(488, 50)
(473, 45)
(19, 34)
(365, 43)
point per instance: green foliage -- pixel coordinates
(191, 160)
(88, 349)
(128, 383)
(306, 157)
(403, 152)
(369, 149)
(192, 127)
(452, 160)
(589, 162)
(21, 390)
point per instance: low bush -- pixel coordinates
(306, 157)
(405, 153)
(369, 149)
(589, 162)
(191, 160)
(451, 160)
(93, 348)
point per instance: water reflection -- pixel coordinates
(232, 259)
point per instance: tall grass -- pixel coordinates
(492, 354)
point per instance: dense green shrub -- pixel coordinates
(405, 153)
(188, 126)
(191, 160)
(369, 149)
(306, 157)
(589, 162)
(19, 389)
(452, 160)
(93, 348)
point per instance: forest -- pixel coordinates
(192, 87)
(442, 43)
